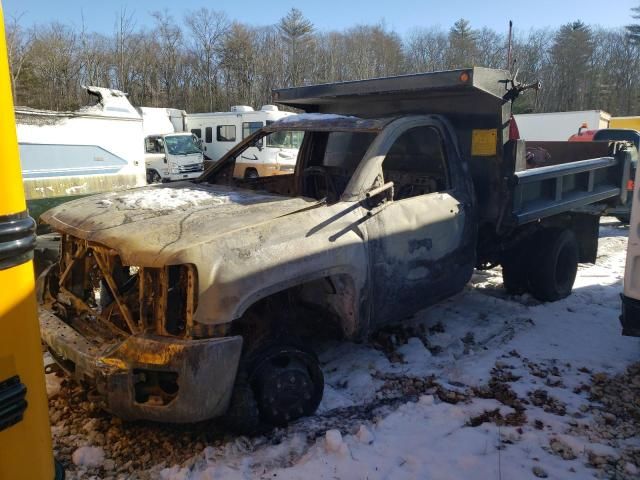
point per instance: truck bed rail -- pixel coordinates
(545, 191)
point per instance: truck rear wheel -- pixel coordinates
(275, 385)
(515, 274)
(554, 265)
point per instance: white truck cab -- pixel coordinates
(172, 156)
(221, 131)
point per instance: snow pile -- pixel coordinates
(88, 457)
(165, 199)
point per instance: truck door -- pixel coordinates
(422, 241)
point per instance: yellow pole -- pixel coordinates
(25, 435)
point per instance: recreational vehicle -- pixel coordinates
(170, 152)
(221, 131)
(69, 154)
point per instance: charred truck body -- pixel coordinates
(193, 300)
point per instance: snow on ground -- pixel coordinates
(484, 385)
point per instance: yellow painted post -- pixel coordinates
(25, 435)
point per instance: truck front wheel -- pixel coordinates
(554, 265)
(153, 177)
(275, 385)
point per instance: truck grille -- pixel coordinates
(192, 167)
(93, 284)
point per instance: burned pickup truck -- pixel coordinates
(193, 300)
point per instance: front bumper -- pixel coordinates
(149, 377)
(630, 317)
(175, 177)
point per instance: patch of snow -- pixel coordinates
(167, 198)
(88, 456)
(104, 203)
(415, 354)
(365, 435)
(313, 117)
(76, 189)
(333, 440)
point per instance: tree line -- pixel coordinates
(206, 62)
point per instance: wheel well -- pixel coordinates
(323, 307)
(584, 225)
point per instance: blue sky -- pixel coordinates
(398, 15)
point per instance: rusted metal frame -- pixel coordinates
(103, 264)
(191, 299)
(72, 261)
(162, 290)
(141, 300)
(76, 301)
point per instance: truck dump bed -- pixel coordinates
(476, 102)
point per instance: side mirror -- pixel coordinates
(378, 195)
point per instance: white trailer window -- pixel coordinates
(226, 133)
(249, 127)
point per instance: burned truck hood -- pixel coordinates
(149, 225)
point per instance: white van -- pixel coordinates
(220, 131)
(170, 152)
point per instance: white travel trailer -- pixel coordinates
(559, 126)
(91, 150)
(220, 131)
(170, 152)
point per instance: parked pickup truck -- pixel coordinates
(192, 300)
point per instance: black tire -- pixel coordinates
(243, 416)
(153, 177)
(250, 174)
(515, 273)
(275, 385)
(554, 265)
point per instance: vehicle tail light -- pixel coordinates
(630, 185)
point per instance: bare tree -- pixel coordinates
(208, 29)
(18, 47)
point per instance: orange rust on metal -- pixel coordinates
(103, 264)
(74, 258)
(77, 302)
(161, 304)
(191, 306)
(142, 293)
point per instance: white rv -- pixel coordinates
(170, 152)
(220, 131)
(91, 150)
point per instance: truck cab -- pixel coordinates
(173, 156)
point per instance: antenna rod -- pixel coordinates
(509, 46)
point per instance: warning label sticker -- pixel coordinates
(483, 142)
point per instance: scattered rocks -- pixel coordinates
(539, 472)
(559, 447)
(542, 398)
